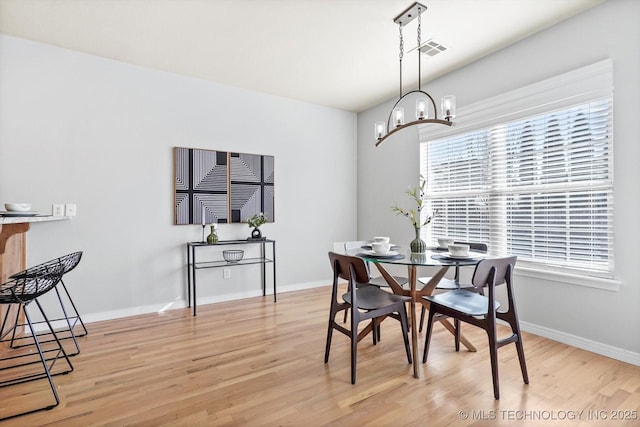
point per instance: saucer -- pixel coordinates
(390, 253)
(450, 255)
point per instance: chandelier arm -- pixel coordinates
(413, 123)
(433, 103)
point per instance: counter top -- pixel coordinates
(37, 218)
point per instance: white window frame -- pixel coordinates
(577, 87)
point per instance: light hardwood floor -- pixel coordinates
(256, 363)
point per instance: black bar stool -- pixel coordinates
(18, 366)
(71, 317)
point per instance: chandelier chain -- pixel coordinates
(401, 43)
(419, 61)
(419, 26)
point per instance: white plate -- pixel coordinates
(368, 246)
(18, 213)
(450, 255)
(390, 253)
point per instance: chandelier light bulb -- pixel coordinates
(379, 130)
(398, 116)
(449, 107)
(421, 108)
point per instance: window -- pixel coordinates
(539, 186)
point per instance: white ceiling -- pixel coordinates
(338, 53)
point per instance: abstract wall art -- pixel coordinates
(224, 186)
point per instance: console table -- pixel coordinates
(193, 265)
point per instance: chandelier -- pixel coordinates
(397, 119)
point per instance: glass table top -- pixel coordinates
(402, 255)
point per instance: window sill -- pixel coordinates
(612, 285)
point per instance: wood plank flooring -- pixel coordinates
(256, 363)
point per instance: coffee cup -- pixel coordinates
(381, 239)
(380, 248)
(458, 249)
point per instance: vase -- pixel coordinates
(256, 233)
(418, 245)
(213, 237)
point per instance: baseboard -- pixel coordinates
(583, 343)
(159, 308)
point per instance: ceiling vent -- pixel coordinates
(432, 48)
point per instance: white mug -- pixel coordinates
(380, 248)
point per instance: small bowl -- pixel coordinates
(233, 255)
(17, 207)
(381, 239)
(444, 242)
(459, 249)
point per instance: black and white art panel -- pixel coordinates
(222, 186)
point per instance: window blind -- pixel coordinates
(539, 187)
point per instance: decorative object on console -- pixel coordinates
(256, 221)
(233, 255)
(382, 131)
(213, 236)
(417, 245)
(222, 187)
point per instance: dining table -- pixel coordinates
(434, 257)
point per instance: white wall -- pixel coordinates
(601, 320)
(100, 133)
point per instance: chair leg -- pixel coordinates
(523, 364)
(354, 351)
(512, 319)
(456, 324)
(77, 315)
(72, 334)
(375, 327)
(427, 336)
(404, 324)
(515, 327)
(329, 335)
(493, 354)
(422, 313)
(42, 358)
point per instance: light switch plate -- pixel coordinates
(57, 209)
(70, 209)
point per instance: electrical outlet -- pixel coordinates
(226, 273)
(70, 209)
(57, 210)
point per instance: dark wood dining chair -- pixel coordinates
(482, 311)
(449, 284)
(367, 302)
(375, 281)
